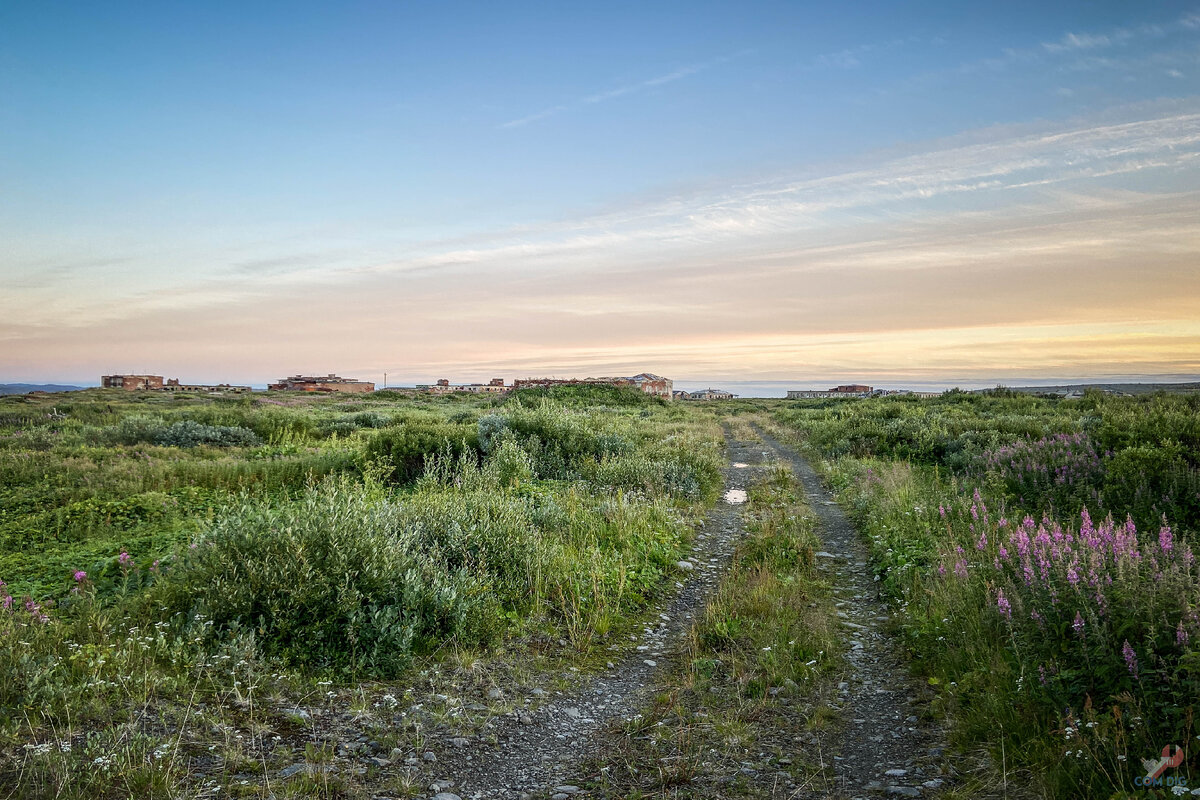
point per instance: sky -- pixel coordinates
(756, 195)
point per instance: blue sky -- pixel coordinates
(903, 192)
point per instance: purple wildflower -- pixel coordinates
(1078, 624)
(124, 559)
(1002, 604)
(80, 576)
(1131, 661)
(1165, 540)
(36, 611)
(1181, 636)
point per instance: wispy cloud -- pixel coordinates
(1035, 248)
(620, 91)
(1079, 49)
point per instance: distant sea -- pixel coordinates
(1132, 383)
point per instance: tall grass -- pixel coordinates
(1056, 612)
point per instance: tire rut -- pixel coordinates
(883, 745)
(531, 751)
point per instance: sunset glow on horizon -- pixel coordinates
(780, 193)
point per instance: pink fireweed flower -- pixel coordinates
(1002, 604)
(960, 569)
(8, 602)
(982, 543)
(36, 611)
(124, 559)
(1165, 540)
(1078, 624)
(80, 576)
(1181, 636)
(941, 570)
(1131, 662)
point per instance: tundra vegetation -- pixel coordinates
(181, 571)
(1040, 556)
(184, 576)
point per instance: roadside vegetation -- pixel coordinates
(294, 596)
(185, 576)
(1040, 554)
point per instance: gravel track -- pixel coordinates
(881, 748)
(883, 745)
(537, 748)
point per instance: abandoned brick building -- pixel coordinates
(647, 382)
(325, 383)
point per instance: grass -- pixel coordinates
(1062, 642)
(206, 591)
(368, 568)
(752, 662)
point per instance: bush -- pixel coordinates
(335, 580)
(1152, 482)
(186, 433)
(404, 450)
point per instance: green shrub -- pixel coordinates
(186, 433)
(406, 448)
(1149, 483)
(335, 580)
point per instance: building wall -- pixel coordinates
(330, 383)
(131, 383)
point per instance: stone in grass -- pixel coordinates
(904, 791)
(896, 773)
(566, 789)
(495, 694)
(446, 796)
(686, 566)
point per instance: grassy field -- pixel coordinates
(1040, 555)
(182, 576)
(176, 567)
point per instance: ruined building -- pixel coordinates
(647, 382)
(155, 383)
(131, 383)
(326, 383)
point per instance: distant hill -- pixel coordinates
(25, 388)
(1118, 388)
